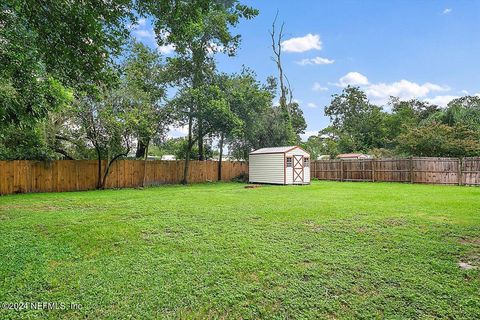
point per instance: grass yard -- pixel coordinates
(328, 250)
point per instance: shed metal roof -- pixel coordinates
(274, 150)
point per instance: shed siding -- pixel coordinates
(289, 175)
(306, 175)
(266, 168)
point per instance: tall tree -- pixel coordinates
(359, 125)
(104, 123)
(143, 84)
(197, 29)
(251, 101)
(52, 44)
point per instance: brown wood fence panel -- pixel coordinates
(21, 176)
(327, 170)
(471, 171)
(451, 171)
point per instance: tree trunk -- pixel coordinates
(222, 137)
(99, 165)
(145, 165)
(109, 165)
(189, 149)
(201, 155)
(141, 149)
(197, 81)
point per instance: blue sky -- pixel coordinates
(424, 49)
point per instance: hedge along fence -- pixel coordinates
(452, 171)
(22, 176)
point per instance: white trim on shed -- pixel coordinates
(279, 165)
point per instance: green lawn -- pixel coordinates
(328, 250)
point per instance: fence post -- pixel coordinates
(460, 172)
(373, 170)
(412, 178)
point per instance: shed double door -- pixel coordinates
(298, 169)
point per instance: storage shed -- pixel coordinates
(279, 165)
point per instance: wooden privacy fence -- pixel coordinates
(72, 175)
(464, 171)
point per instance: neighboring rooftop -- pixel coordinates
(353, 156)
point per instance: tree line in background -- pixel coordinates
(74, 84)
(401, 128)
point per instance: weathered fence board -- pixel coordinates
(21, 176)
(414, 170)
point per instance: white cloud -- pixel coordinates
(141, 22)
(144, 34)
(447, 11)
(149, 36)
(308, 134)
(404, 89)
(302, 44)
(176, 132)
(312, 105)
(316, 60)
(353, 79)
(466, 93)
(169, 48)
(318, 87)
(441, 101)
(379, 93)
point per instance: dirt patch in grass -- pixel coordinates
(467, 241)
(470, 260)
(253, 186)
(395, 222)
(42, 229)
(466, 266)
(150, 235)
(312, 226)
(29, 207)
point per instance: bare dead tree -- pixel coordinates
(277, 40)
(290, 90)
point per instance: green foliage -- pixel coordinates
(360, 125)
(27, 89)
(26, 143)
(75, 41)
(298, 121)
(56, 44)
(198, 30)
(179, 148)
(142, 91)
(197, 27)
(438, 139)
(250, 101)
(320, 145)
(218, 250)
(411, 128)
